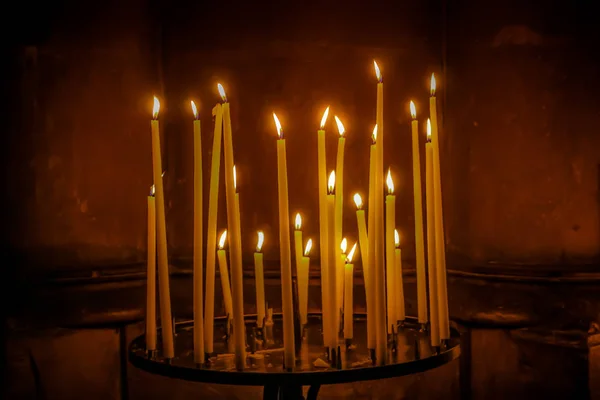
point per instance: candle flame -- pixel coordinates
(377, 71)
(156, 108)
(344, 245)
(222, 92)
(428, 130)
(390, 182)
(324, 119)
(358, 201)
(331, 182)
(298, 222)
(194, 109)
(433, 85)
(152, 190)
(374, 135)
(351, 254)
(163, 173)
(261, 240)
(234, 179)
(222, 239)
(396, 238)
(413, 110)
(277, 125)
(340, 126)
(308, 247)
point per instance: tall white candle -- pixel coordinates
(339, 211)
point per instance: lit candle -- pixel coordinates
(198, 242)
(399, 286)
(339, 287)
(260, 280)
(303, 283)
(211, 241)
(332, 246)
(432, 275)
(298, 244)
(419, 239)
(323, 234)
(151, 276)
(390, 225)
(348, 295)
(224, 272)
(339, 208)
(284, 251)
(440, 245)
(163, 258)
(378, 249)
(372, 315)
(235, 239)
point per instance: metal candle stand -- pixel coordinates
(409, 352)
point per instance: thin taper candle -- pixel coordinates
(224, 275)
(260, 280)
(303, 282)
(323, 233)
(332, 246)
(381, 349)
(440, 245)
(339, 210)
(166, 321)
(418, 207)
(432, 275)
(235, 240)
(211, 240)
(298, 256)
(390, 224)
(151, 275)
(284, 251)
(198, 243)
(349, 296)
(399, 280)
(372, 313)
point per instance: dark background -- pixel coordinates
(518, 97)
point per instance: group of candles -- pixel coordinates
(379, 244)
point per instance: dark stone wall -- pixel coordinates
(521, 147)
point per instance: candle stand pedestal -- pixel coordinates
(409, 352)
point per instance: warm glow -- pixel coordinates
(413, 110)
(331, 182)
(390, 182)
(428, 129)
(433, 85)
(194, 109)
(222, 239)
(298, 222)
(358, 201)
(377, 71)
(156, 108)
(222, 92)
(324, 119)
(351, 254)
(374, 136)
(396, 238)
(261, 240)
(152, 190)
(344, 245)
(278, 125)
(340, 126)
(234, 179)
(308, 247)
